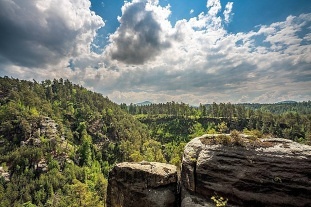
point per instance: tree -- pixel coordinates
(152, 151)
(136, 156)
(197, 130)
(85, 150)
(81, 196)
(222, 127)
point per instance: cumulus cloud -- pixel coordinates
(207, 64)
(228, 12)
(42, 32)
(140, 35)
(194, 61)
(214, 7)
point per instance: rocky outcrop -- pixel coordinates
(42, 127)
(48, 127)
(219, 170)
(4, 174)
(144, 184)
(271, 172)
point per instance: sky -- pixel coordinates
(201, 51)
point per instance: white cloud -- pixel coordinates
(43, 32)
(228, 12)
(204, 62)
(214, 7)
(194, 61)
(191, 11)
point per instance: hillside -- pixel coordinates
(58, 142)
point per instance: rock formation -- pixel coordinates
(4, 174)
(144, 184)
(271, 172)
(235, 172)
(43, 127)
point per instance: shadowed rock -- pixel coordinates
(144, 184)
(272, 172)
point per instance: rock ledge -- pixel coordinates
(274, 173)
(142, 184)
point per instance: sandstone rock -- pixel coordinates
(48, 127)
(275, 172)
(144, 184)
(44, 126)
(5, 174)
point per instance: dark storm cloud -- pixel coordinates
(138, 39)
(32, 36)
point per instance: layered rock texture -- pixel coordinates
(237, 172)
(144, 184)
(271, 172)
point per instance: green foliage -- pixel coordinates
(254, 132)
(136, 156)
(222, 127)
(153, 151)
(28, 204)
(235, 135)
(197, 130)
(219, 201)
(173, 153)
(59, 142)
(277, 179)
(286, 120)
(223, 139)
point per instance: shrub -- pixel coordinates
(219, 201)
(237, 139)
(223, 139)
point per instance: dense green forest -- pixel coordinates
(58, 140)
(180, 122)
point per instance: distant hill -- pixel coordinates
(145, 103)
(287, 102)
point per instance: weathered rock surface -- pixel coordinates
(277, 172)
(43, 127)
(5, 174)
(144, 184)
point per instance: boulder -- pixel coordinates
(268, 172)
(144, 184)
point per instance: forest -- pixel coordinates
(58, 140)
(286, 120)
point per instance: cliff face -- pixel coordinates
(277, 172)
(274, 172)
(144, 184)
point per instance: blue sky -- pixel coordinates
(195, 52)
(247, 14)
